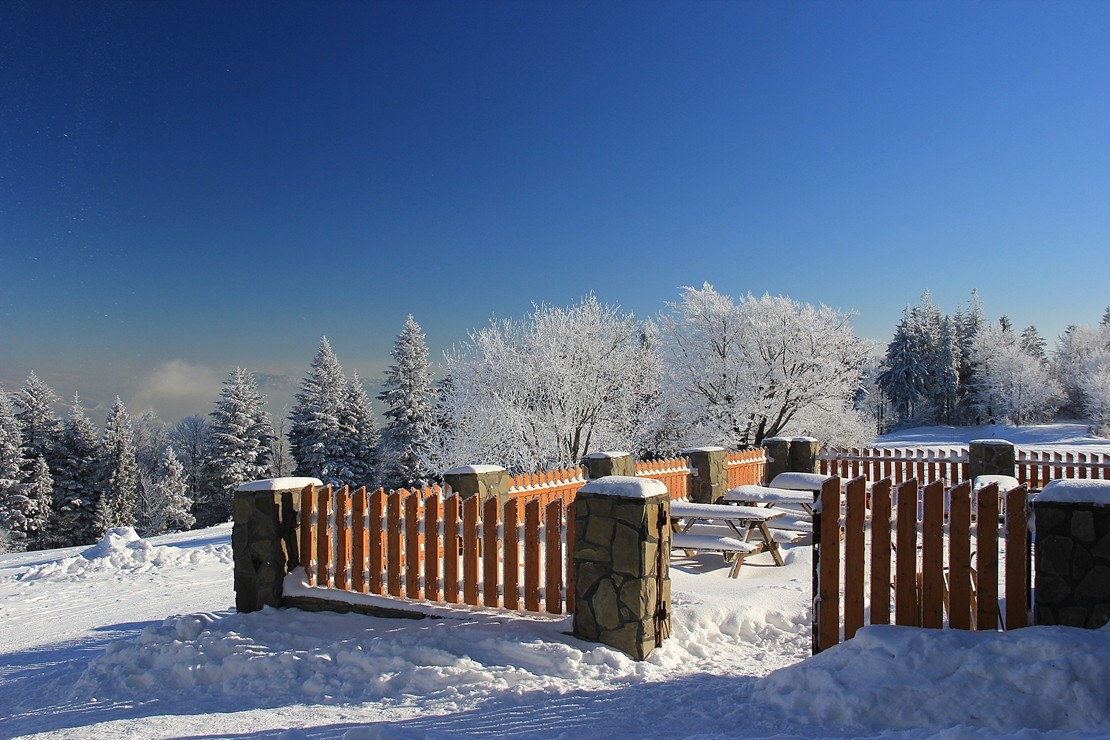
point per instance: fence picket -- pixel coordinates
(826, 524)
(553, 556)
(323, 537)
(451, 544)
(393, 543)
(375, 514)
(856, 497)
(960, 615)
(359, 541)
(490, 552)
(532, 556)
(880, 551)
(1017, 553)
(412, 544)
(906, 610)
(431, 546)
(470, 550)
(512, 555)
(342, 540)
(308, 530)
(986, 558)
(932, 556)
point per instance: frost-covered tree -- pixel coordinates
(163, 504)
(35, 411)
(120, 489)
(362, 442)
(239, 447)
(13, 471)
(38, 489)
(410, 401)
(967, 325)
(78, 482)
(152, 436)
(316, 433)
(1072, 361)
(545, 390)
(189, 439)
(903, 379)
(1013, 386)
(1033, 344)
(741, 370)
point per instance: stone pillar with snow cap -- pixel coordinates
(483, 481)
(709, 474)
(621, 560)
(791, 455)
(1072, 525)
(601, 464)
(264, 539)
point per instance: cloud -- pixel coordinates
(177, 388)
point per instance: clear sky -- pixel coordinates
(190, 186)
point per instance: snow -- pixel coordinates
(1075, 492)
(799, 481)
(137, 638)
(1004, 482)
(1062, 436)
(625, 486)
(474, 469)
(605, 455)
(280, 484)
(702, 449)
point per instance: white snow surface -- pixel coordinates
(280, 484)
(625, 486)
(474, 469)
(1076, 491)
(135, 638)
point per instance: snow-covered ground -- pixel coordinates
(136, 638)
(1062, 436)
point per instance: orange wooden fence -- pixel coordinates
(429, 545)
(930, 581)
(547, 486)
(746, 467)
(675, 474)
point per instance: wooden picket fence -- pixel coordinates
(927, 586)
(900, 465)
(746, 467)
(1035, 468)
(547, 486)
(433, 546)
(674, 473)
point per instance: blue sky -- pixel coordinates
(186, 187)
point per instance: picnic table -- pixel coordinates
(744, 521)
(792, 493)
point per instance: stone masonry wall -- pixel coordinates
(1073, 564)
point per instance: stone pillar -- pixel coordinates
(601, 464)
(791, 455)
(483, 481)
(778, 457)
(622, 549)
(264, 539)
(1072, 525)
(803, 454)
(709, 474)
(990, 457)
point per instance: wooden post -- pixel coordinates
(854, 520)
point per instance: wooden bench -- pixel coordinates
(727, 547)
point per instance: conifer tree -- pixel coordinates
(121, 471)
(41, 426)
(189, 439)
(362, 440)
(77, 482)
(13, 471)
(410, 398)
(163, 505)
(316, 434)
(38, 490)
(239, 447)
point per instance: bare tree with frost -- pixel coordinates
(741, 370)
(546, 390)
(1012, 385)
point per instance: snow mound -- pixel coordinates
(901, 678)
(122, 550)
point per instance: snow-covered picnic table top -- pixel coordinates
(722, 512)
(770, 495)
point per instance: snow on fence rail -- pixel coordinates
(431, 545)
(546, 486)
(927, 586)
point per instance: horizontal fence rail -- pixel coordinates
(925, 466)
(1035, 468)
(935, 557)
(674, 473)
(547, 486)
(434, 546)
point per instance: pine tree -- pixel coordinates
(239, 447)
(77, 482)
(361, 436)
(903, 379)
(1033, 344)
(41, 426)
(163, 505)
(968, 326)
(411, 400)
(121, 471)
(38, 490)
(13, 472)
(315, 434)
